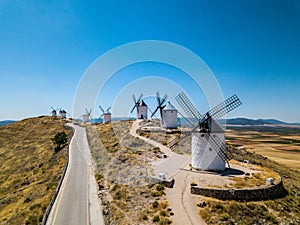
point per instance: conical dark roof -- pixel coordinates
(169, 106)
(143, 103)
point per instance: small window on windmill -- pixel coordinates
(210, 149)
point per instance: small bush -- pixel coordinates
(155, 204)
(144, 217)
(32, 220)
(156, 219)
(163, 213)
(219, 206)
(60, 139)
(157, 193)
(160, 187)
(224, 217)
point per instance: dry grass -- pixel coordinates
(30, 169)
(254, 179)
(284, 210)
(183, 146)
(122, 164)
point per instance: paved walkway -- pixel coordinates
(77, 202)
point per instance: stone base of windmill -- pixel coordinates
(241, 182)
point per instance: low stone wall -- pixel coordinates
(247, 194)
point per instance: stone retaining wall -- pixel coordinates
(247, 194)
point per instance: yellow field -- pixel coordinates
(281, 144)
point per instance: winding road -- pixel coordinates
(77, 202)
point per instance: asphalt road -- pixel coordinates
(76, 196)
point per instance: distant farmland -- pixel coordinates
(279, 143)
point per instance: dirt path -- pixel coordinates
(179, 197)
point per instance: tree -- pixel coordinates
(60, 139)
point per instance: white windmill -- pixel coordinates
(86, 117)
(105, 114)
(141, 107)
(170, 117)
(168, 113)
(53, 112)
(63, 113)
(209, 151)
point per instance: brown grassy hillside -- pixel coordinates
(121, 162)
(29, 168)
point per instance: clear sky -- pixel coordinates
(251, 46)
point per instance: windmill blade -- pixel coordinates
(154, 111)
(135, 105)
(134, 99)
(107, 110)
(219, 147)
(69, 115)
(225, 107)
(158, 98)
(163, 99)
(190, 122)
(101, 115)
(152, 114)
(101, 108)
(188, 108)
(53, 108)
(139, 99)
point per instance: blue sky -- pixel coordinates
(252, 47)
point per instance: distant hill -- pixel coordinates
(253, 122)
(5, 122)
(100, 120)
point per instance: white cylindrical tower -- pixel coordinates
(106, 117)
(204, 155)
(63, 114)
(85, 118)
(169, 118)
(142, 111)
(53, 113)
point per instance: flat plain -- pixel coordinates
(278, 143)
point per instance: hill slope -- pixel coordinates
(30, 169)
(254, 122)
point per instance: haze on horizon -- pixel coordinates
(252, 48)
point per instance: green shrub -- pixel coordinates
(156, 219)
(163, 213)
(160, 187)
(155, 204)
(144, 217)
